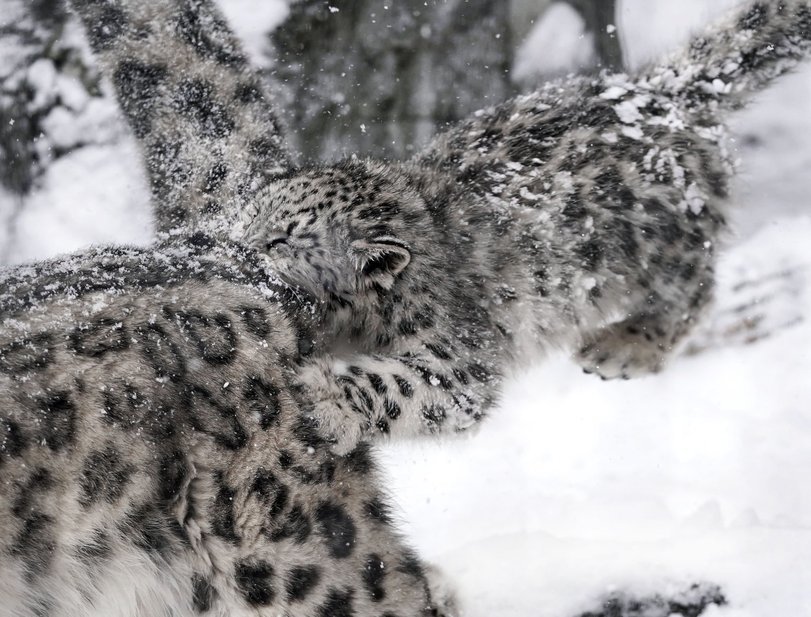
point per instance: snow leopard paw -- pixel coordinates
(332, 407)
(443, 594)
(624, 350)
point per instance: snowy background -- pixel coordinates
(575, 486)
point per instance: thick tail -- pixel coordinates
(727, 65)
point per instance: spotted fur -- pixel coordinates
(585, 215)
(163, 412)
(154, 456)
(200, 113)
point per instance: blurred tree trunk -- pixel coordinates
(601, 17)
(27, 30)
(378, 77)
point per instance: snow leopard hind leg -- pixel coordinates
(598, 169)
(640, 344)
(655, 321)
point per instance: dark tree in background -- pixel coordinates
(379, 77)
(374, 77)
(600, 17)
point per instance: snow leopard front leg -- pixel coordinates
(643, 342)
(425, 391)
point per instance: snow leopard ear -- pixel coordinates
(380, 260)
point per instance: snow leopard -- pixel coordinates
(163, 449)
(154, 456)
(585, 215)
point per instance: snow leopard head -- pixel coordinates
(348, 233)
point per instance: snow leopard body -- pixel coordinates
(154, 459)
(154, 456)
(585, 215)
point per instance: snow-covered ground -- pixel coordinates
(576, 486)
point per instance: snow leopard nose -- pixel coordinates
(274, 240)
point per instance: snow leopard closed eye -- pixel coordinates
(318, 230)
